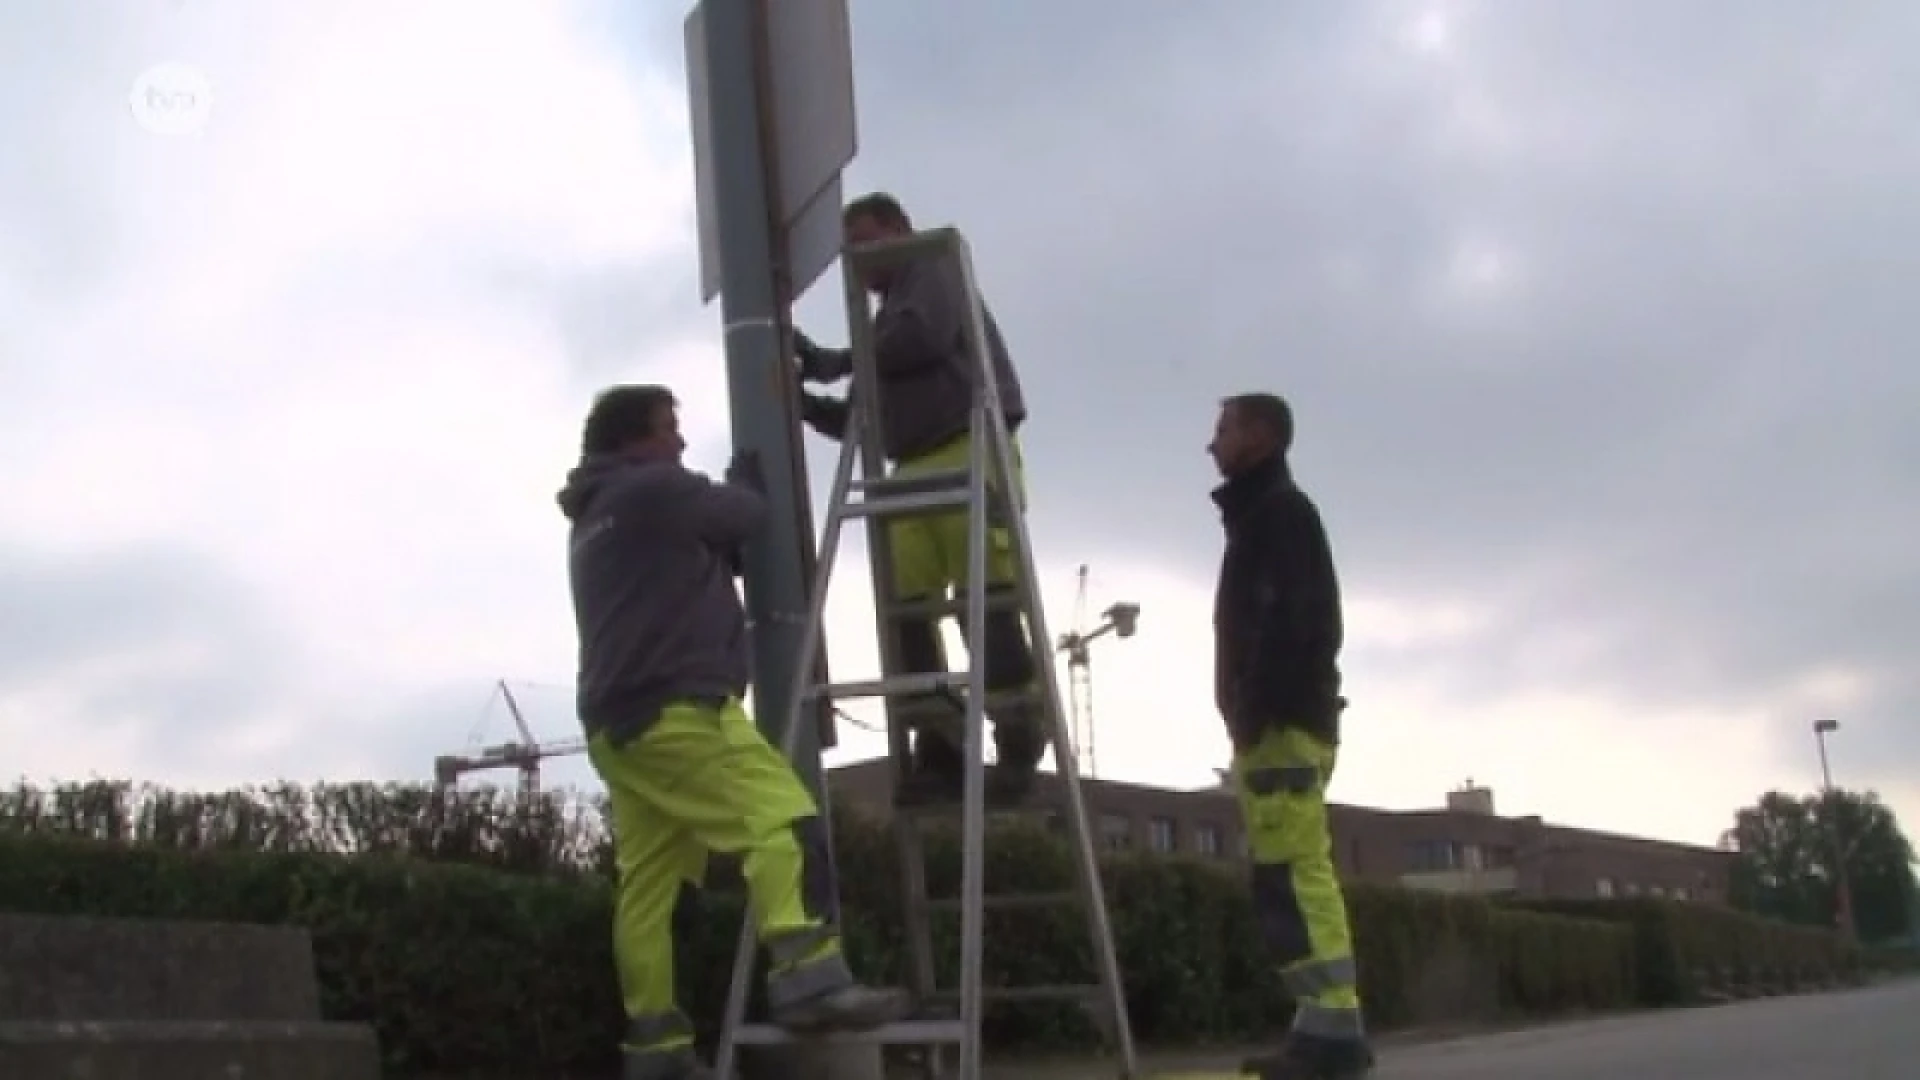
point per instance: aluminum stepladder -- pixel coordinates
(876, 497)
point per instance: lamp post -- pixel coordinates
(1842, 889)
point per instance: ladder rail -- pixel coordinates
(869, 410)
(1093, 893)
(909, 846)
(973, 827)
(811, 637)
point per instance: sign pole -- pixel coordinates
(760, 384)
(748, 251)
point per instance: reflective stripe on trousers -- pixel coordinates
(1281, 782)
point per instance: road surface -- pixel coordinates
(1868, 1034)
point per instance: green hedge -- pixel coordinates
(1892, 959)
(1685, 952)
(468, 969)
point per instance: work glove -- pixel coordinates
(826, 415)
(744, 471)
(818, 364)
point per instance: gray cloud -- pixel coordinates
(610, 316)
(1677, 457)
(156, 642)
(1685, 437)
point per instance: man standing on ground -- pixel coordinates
(663, 665)
(1278, 631)
(926, 409)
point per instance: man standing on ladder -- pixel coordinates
(1278, 632)
(663, 665)
(926, 405)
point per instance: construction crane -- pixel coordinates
(524, 755)
(1119, 620)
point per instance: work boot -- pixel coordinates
(1308, 1057)
(1019, 746)
(937, 776)
(929, 787)
(664, 1065)
(1010, 783)
(852, 1007)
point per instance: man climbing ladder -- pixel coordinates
(663, 666)
(926, 402)
(978, 490)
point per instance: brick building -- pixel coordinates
(1464, 847)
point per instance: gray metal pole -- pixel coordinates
(764, 410)
(778, 564)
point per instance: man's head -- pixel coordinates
(1251, 429)
(638, 421)
(872, 218)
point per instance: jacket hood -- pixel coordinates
(585, 480)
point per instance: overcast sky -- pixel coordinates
(1596, 317)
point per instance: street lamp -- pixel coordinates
(1842, 888)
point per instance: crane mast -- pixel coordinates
(1119, 620)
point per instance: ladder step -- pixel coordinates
(932, 688)
(900, 505)
(913, 703)
(1080, 992)
(898, 686)
(902, 1033)
(937, 480)
(1010, 901)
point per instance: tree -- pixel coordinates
(1788, 848)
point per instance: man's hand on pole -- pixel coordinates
(744, 471)
(826, 415)
(818, 364)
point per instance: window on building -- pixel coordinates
(1163, 835)
(1603, 887)
(1681, 893)
(1631, 889)
(1116, 832)
(1655, 890)
(1473, 857)
(1427, 856)
(1500, 857)
(1206, 838)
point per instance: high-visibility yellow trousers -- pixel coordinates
(1282, 781)
(930, 550)
(929, 564)
(703, 779)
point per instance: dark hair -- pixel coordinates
(882, 208)
(1270, 412)
(623, 415)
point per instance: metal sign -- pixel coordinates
(807, 76)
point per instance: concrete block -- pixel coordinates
(134, 1050)
(58, 968)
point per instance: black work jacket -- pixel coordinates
(1276, 615)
